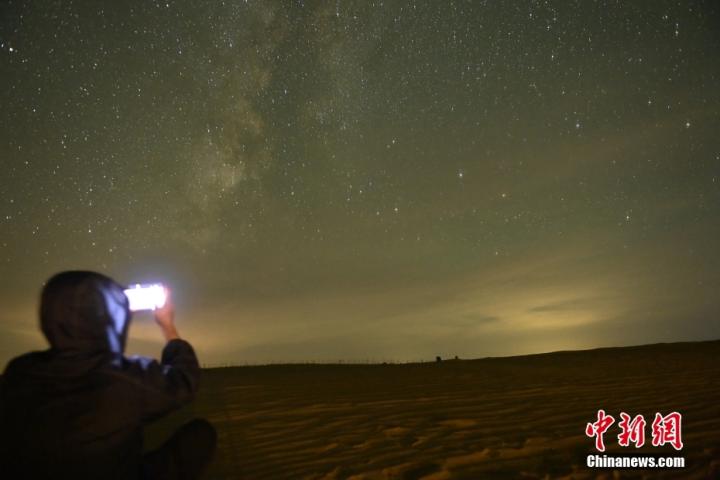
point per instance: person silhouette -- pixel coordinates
(77, 410)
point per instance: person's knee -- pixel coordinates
(201, 431)
(193, 448)
(185, 455)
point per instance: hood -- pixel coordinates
(84, 311)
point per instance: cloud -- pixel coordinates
(573, 304)
(543, 296)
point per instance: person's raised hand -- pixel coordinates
(165, 318)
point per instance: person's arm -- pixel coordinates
(172, 382)
(165, 318)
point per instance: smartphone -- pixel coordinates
(147, 296)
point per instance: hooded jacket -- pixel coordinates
(77, 409)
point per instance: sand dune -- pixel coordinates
(516, 417)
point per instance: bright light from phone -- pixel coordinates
(146, 297)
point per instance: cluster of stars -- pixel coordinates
(281, 134)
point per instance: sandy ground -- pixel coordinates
(515, 417)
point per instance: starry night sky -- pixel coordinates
(367, 181)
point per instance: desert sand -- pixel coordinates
(514, 417)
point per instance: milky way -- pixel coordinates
(368, 180)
